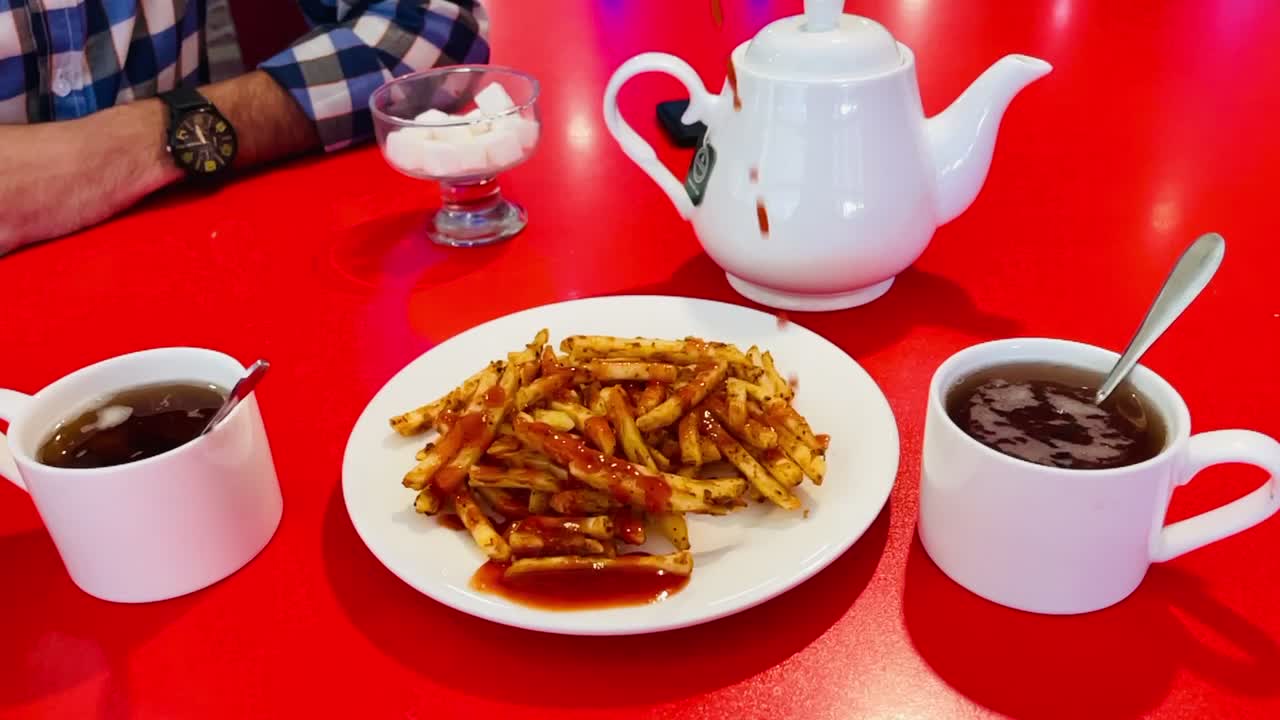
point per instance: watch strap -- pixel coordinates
(184, 99)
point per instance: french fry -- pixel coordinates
(420, 419)
(528, 543)
(677, 563)
(531, 351)
(426, 503)
(526, 361)
(437, 456)
(651, 397)
(780, 386)
(710, 453)
(747, 372)
(628, 527)
(550, 364)
(633, 445)
(593, 401)
(813, 464)
(506, 503)
(444, 420)
(538, 461)
(626, 482)
(503, 445)
(524, 478)
(588, 347)
(684, 398)
(728, 353)
(582, 501)
(717, 491)
(538, 502)
(477, 523)
(660, 459)
(434, 457)
(555, 418)
(752, 390)
(683, 502)
(781, 415)
(599, 527)
(736, 403)
(631, 370)
(422, 454)
(595, 427)
(741, 459)
(781, 467)
(541, 389)
(754, 432)
(673, 527)
(495, 403)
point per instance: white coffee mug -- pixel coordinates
(159, 527)
(1054, 540)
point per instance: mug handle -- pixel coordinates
(1216, 448)
(701, 105)
(11, 406)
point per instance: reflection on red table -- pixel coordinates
(1154, 127)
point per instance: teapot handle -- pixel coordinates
(701, 105)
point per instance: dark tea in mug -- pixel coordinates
(133, 425)
(1044, 413)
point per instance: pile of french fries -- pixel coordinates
(554, 461)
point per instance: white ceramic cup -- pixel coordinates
(1054, 540)
(159, 527)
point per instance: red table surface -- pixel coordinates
(1155, 126)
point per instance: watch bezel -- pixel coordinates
(179, 118)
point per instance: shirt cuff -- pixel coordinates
(331, 77)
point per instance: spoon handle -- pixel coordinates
(239, 392)
(1192, 273)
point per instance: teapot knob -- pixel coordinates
(822, 15)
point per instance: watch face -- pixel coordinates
(203, 142)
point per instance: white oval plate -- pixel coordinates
(740, 560)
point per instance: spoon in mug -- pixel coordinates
(239, 391)
(1189, 276)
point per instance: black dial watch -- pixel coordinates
(201, 141)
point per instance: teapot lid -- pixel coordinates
(823, 43)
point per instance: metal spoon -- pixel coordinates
(240, 391)
(1192, 273)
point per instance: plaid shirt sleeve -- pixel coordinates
(357, 46)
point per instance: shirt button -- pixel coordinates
(61, 85)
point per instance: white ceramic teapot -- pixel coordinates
(819, 178)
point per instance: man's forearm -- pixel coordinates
(268, 124)
(61, 177)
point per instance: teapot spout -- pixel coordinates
(962, 137)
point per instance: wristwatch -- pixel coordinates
(200, 139)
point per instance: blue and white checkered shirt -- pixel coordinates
(62, 59)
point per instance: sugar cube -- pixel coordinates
(494, 100)
(404, 148)
(453, 133)
(440, 159)
(432, 117)
(479, 122)
(471, 156)
(525, 130)
(501, 148)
